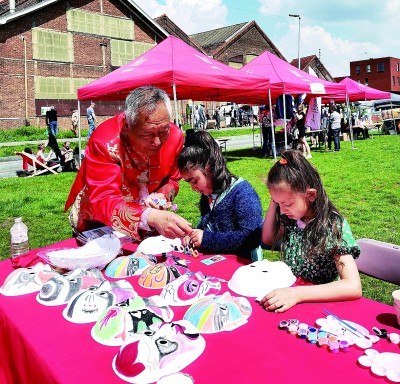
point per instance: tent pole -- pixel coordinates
(272, 124)
(394, 121)
(350, 122)
(175, 105)
(284, 120)
(79, 132)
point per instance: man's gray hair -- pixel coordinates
(144, 101)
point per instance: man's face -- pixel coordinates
(151, 132)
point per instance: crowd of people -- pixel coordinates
(137, 158)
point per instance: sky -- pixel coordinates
(337, 31)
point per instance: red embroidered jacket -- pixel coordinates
(114, 178)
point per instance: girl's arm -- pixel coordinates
(348, 287)
(271, 226)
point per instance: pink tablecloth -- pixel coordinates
(37, 345)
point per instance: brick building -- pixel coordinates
(49, 49)
(382, 73)
(236, 45)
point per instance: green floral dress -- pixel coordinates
(322, 268)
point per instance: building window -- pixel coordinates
(96, 24)
(123, 52)
(52, 46)
(398, 81)
(366, 81)
(393, 80)
(357, 69)
(397, 67)
(368, 68)
(58, 88)
(381, 67)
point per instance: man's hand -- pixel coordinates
(169, 224)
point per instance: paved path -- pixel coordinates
(9, 165)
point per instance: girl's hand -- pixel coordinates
(197, 237)
(280, 300)
(153, 200)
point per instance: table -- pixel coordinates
(39, 346)
(222, 144)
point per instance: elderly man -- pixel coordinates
(130, 159)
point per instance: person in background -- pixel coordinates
(266, 129)
(335, 124)
(217, 118)
(317, 243)
(230, 209)
(300, 124)
(130, 164)
(40, 156)
(91, 118)
(51, 121)
(74, 121)
(68, 157)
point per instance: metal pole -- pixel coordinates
(272, 124)
(298, 40)
(350, 122)
(79, 132)
(284, 121)
(176, 106)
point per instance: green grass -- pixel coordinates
(363, 183)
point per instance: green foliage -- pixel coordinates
(363, 183)
(23, 134)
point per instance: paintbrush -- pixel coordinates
(346, 325)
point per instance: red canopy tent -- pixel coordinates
(286, 79)
(358, 92)
(183, 72)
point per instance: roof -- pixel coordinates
(24, 7)
(165, 22)
(216, 37)
(313, 62)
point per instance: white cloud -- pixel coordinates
(192, 16)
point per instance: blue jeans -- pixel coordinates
(92, 127)
(334, 134)
(267, 140)
(53, 128)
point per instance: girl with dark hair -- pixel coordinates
(230, 209)
(317, 242)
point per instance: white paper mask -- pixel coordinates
(27, 280)
(119, 322)
(220, 313)
(261, 277)
(157, 245)
(131, 265)
(60, 289)
(87, 305)
(189, 288)
(161, 350)
(159, 275)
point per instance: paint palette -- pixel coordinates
(382, 364)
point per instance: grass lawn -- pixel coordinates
(363, 183)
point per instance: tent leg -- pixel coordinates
(272, 124)
(79, 133)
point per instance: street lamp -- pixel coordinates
(298, 41)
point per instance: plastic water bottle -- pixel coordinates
(19, 239)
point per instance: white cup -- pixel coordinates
(396, 300)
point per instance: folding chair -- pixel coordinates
(380, 260)
(38, 167)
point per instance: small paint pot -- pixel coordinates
(312, 337)
(322, 342)
(334, 346)
(292, 329)
(303, 326)
(322, 335)
(332, 339)
(283, 324)
(302, 333)
(294, 321)
(344, 345)
(394, 338)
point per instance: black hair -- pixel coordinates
(202, 152)
(28, 150)
(299, 175)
